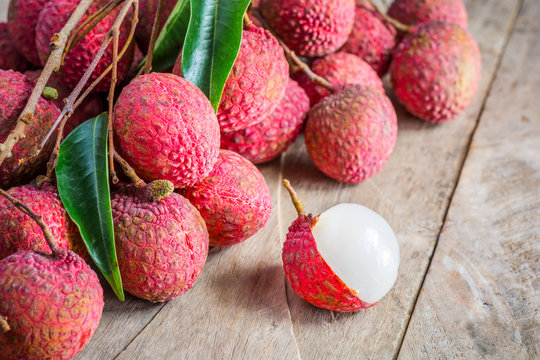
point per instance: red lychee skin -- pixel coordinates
(351, 134)
(20, 232)
(166, 129)
(234, 200)
(340, 69)
(10, 58)
(22, 20)
(416, 12)
(51, 20)
(53, 304)
(310, 27)
(310, 276)
(256, 83)
(268, 139)
(371, 38)
(436, 71)
(147, 13)
(15, 89)
(161, 246)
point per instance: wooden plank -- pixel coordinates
(412, 192)
(481, 297)
(3, 10)
(237, 308)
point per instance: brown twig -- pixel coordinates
(247, 20)
(390, 20)
(53, 159)
(155, 29)
(4, 325)
(294, 197)
(37, 218)
(129, 171)
(111, 103)
(58, 43)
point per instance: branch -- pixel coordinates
(111, 103)
(129, 171)
(390, 20)
(58, 43)
(155, 29)
(4, 325)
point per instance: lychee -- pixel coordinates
(310, 27)
(266, 140)
(166, 129)
(340, 69)
(51, 20)
(436, 70)
(256, 83)
(416, 12)
(351, 134)
(345, 259)
(147, 13)
(22, 20)
(20, 232)
(234, 200)
(15, 89)
(10, 58)
(371, 38)
(52, 303)
(161, 241)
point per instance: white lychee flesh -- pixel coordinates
(360, 247)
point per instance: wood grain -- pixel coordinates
(481, 297)
(412, 192)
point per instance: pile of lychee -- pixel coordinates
(201, 185)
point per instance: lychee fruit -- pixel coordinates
(351, 134)
(15, 89)
(234, 200)
(51, 20)
(256, 83)
(147, 13)
(166, 129)
(340, 69)
(10, 58)
(416, 12)
(20, 232)
(371, 38)
(310, 27)
(345, 259)
(266, 140)
(436, 70)
(52, 304)
(161, 241)
(23, 16)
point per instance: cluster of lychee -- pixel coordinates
(202, 188)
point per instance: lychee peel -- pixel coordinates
(371, 38)
(161, 246)
(15, 89)
(166, 129)
(10, 58)
(340, 69)
(310, 27)
(266, 140)
(416, 12)
(234, 200)
(436, 71)
(147, 13)
(351, 134)
(53, 304)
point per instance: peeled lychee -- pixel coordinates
(351, 134)
(310, 27)
(10, 58)
(345, 259)
(371, 38)
(234, 200)
(266, 140)
(52, 303)
(166, 129)
(340, 69)
(147, 13)
(436, 70)
(24, 164)
(20, 232)
(161, 241)
(416, 12)
(256, 83)
(51, 20)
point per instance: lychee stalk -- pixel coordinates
(294, 197)
(390, 20)
(4, 325)
(153, 36)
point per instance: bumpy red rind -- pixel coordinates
(10, 58)
(416, 12)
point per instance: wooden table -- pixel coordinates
(464, 200)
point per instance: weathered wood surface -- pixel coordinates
(481, 297)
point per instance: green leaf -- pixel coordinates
(83, 184)
(212, 43)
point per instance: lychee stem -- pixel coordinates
(128, 170)
(37, 218)
(4, 325)
(153, 36)
(390, 20)
(294, 197)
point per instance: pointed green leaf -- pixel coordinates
(212, 43)
(83, 184)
